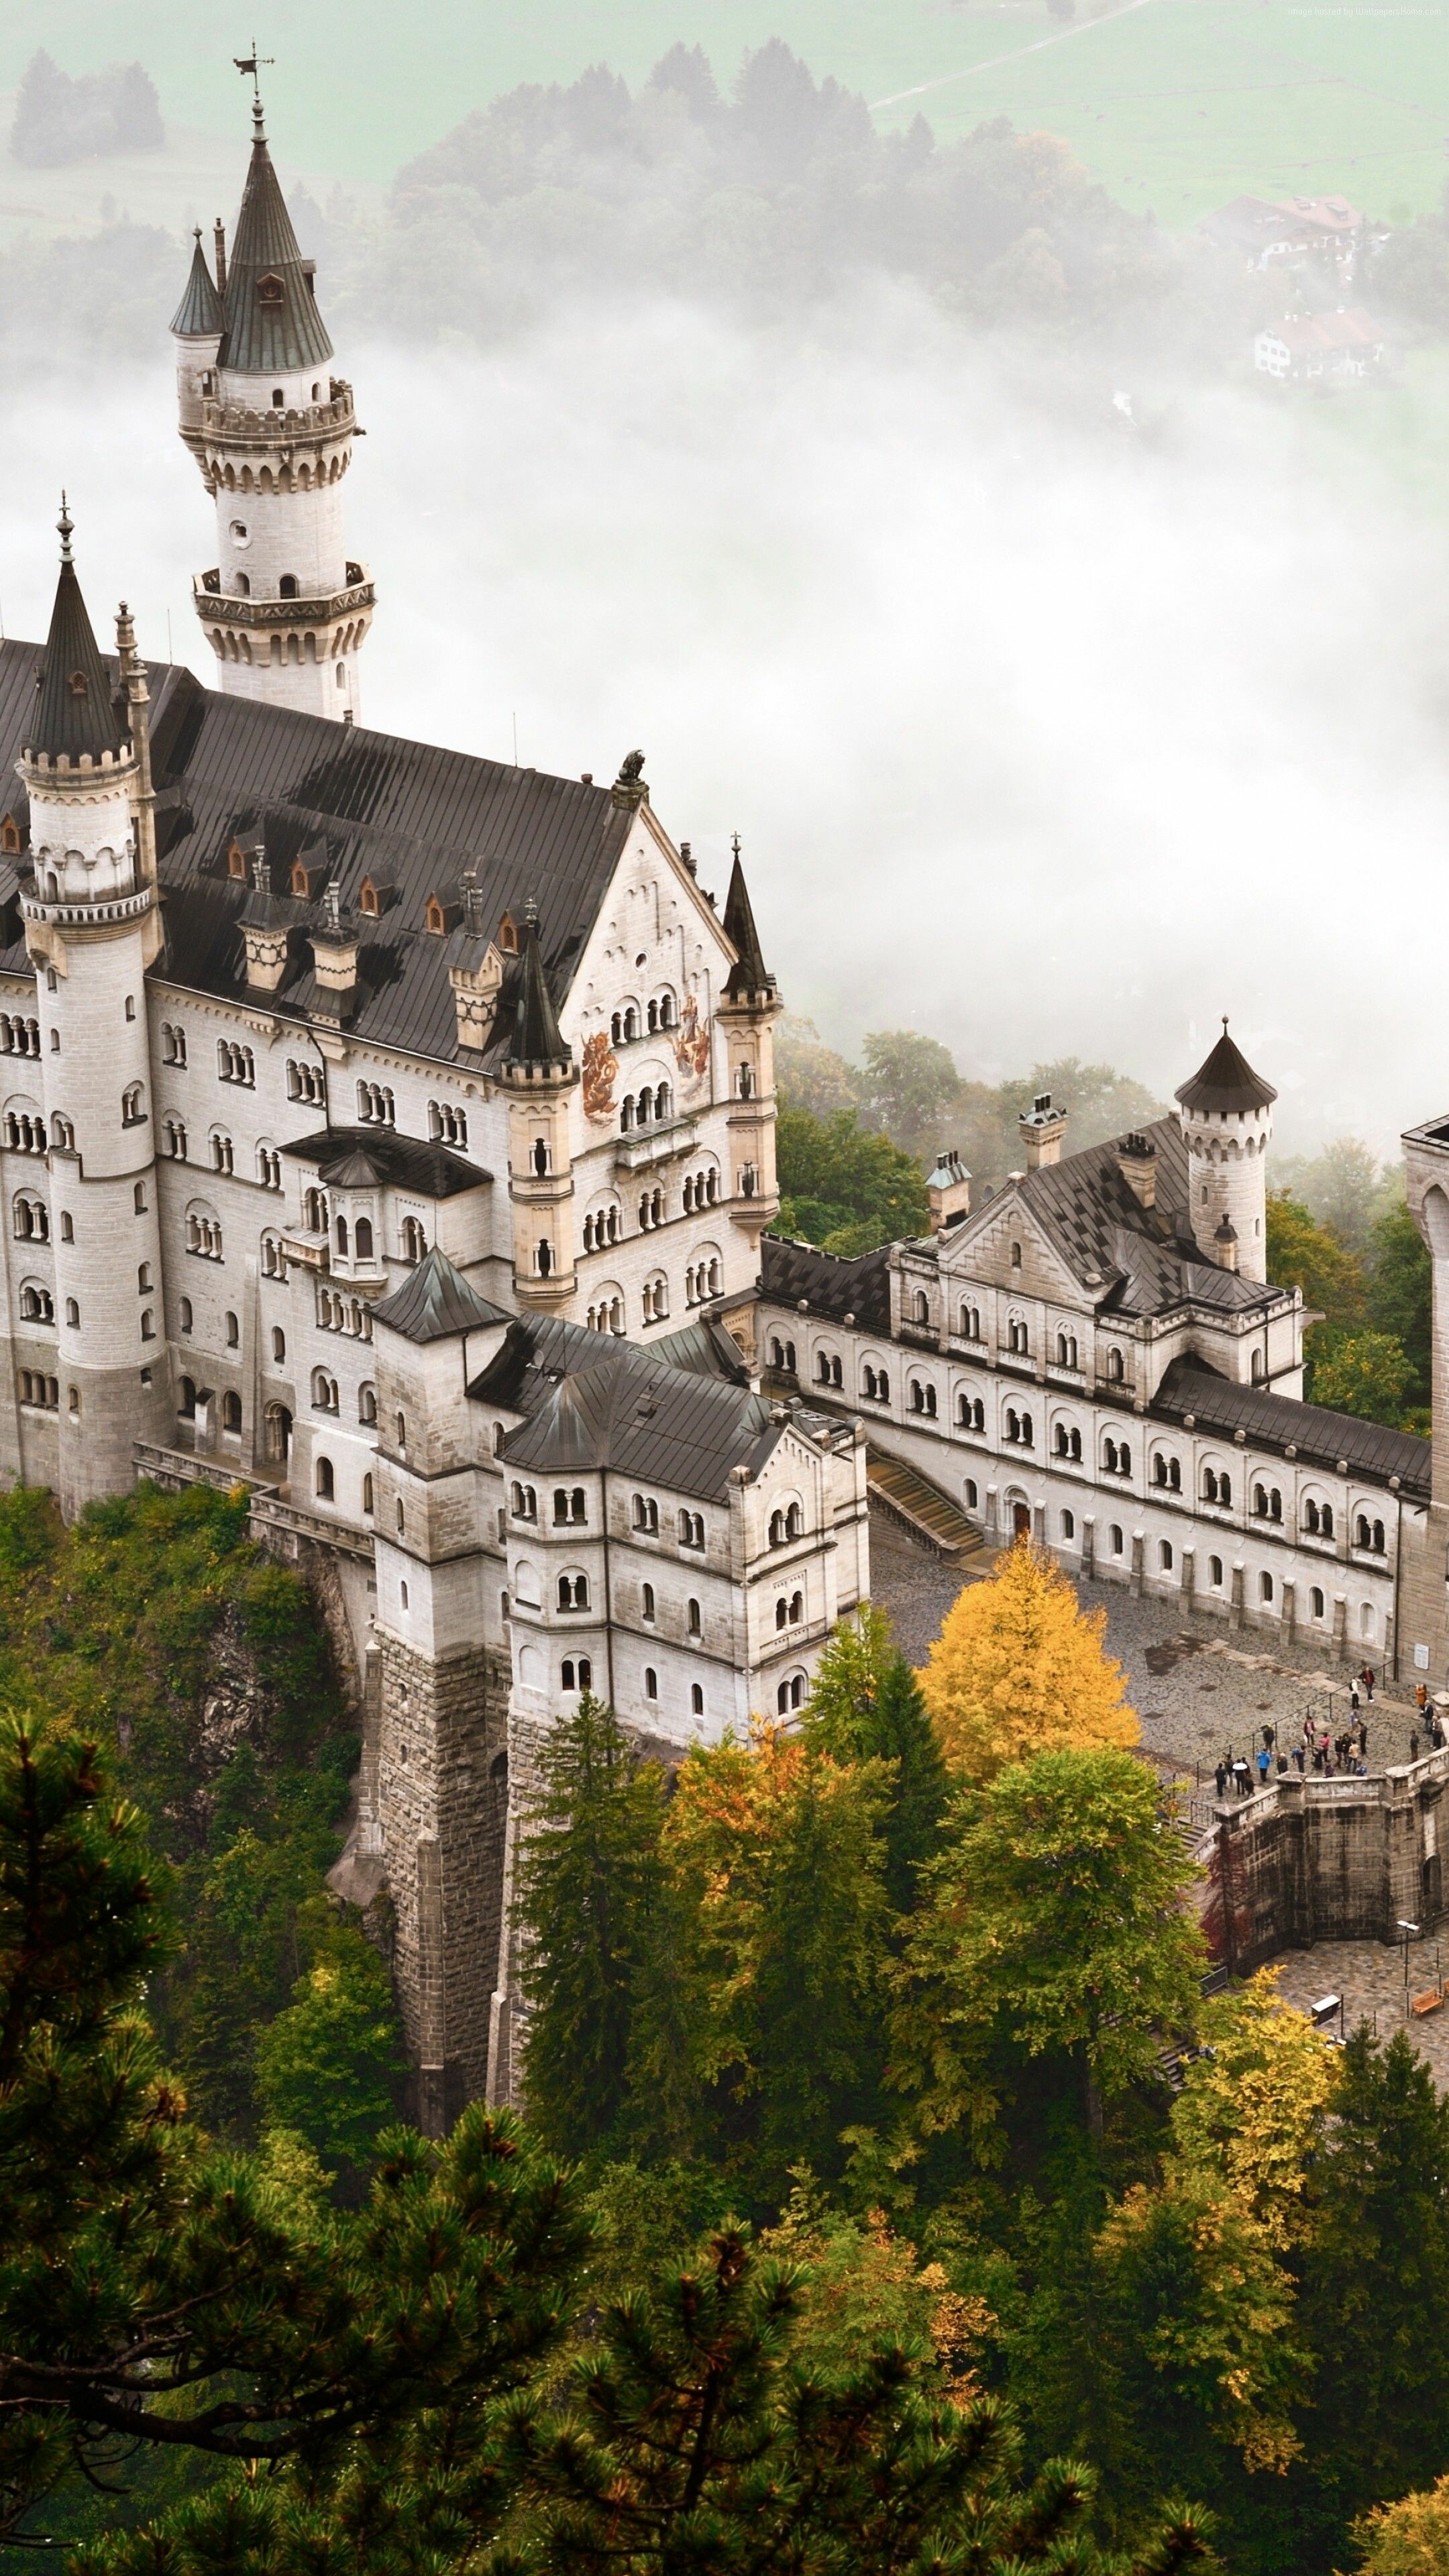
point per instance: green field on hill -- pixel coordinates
(1174, 104)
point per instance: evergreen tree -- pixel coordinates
(1401, 1294)
(695, 2436)
(591, 1885)
(1374, 2294)
(155, 2295)
(866, 1705)
(778, 1856)
(330, 2067)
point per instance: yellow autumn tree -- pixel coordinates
(1019, 1669)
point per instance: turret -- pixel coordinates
(271, 428)
(92, 927)
(538, 1074)
(747, 1013)
(1227, 1122)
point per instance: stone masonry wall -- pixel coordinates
(442, 1801)
(1327, 1860)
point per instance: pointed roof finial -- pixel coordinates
(537, 1042)
(66, 525)
(749, 974)
(251, 67)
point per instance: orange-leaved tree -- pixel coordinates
(1019, 1668)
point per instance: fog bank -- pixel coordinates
(1043, 735)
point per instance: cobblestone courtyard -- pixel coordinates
(1200, 1692)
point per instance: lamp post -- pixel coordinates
(1408, 1930)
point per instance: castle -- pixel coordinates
(392, 1130)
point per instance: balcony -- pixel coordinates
(646, 1148)
(228, 424)
(221, 607)
(309, 1251)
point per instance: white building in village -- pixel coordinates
(394, 1129)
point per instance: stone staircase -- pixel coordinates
(922, 1508)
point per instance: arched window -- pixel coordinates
(646, 1515)
(920, 1307)
(231, 1411)
(233, 1332)
(971, 1413)
(693, 1618)
(279, 1343)
(1316, 1602)
(72, 1315)
(1164, 1555)
(573, 1592)
(790, 1694)
(646, 1603)
(970, 1324)
(1114, 1538)
(31, 1219)
(1116, 1369)
(414, 1239)
(696, 1699)
(341, 1232)
(1069, 1525)
(691, 1529)
(525, 1502)
(367, 1505)
(1265, 1587)
(367, 1404)
(1215, 1572)
(287, 586)
(324, 1392)
(326, 1482)
(651, 1682)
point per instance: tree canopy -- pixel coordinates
(1019, 1665)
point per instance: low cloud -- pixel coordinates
(1044, 735)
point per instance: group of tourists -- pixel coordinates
(1327, 1753)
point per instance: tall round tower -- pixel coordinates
(271, 427)
(1227, 1121)
(538, 1076)
(91, 929)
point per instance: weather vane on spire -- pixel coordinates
(251, 66)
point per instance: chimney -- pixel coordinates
(1225, 1245)
(220, 239)
(1042, 1130)
(334, 944)
(264, 930)
(1137, 1163)
(948, 1190)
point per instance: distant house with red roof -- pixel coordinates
(1264, 229)
(1307, 348)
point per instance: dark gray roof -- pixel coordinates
(1136, 1260)
(535, 1044)
(228, 769)
(1277, 1422)
(271, 317)
(71, 713)
(749, 974)
(436, 1301)
(1226, 1083)
(592, 1401)
(365, 1157)
(198, 316)
(829, 1286)
(708, 1348)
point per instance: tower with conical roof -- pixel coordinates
(539, 1075)
(92, 927)
(285, 607)
(1226, 1112)
(747, 1013)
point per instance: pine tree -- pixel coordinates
(866, 1705)
(696, 2435)
(778, 1856)
(591, 1888)
(1019, 1666)
(155, 2294)
(1374, 2295)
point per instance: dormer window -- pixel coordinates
(299, 878)
(9, 834)
(270, 291)
(367, 900)
(435, 918)
(508, 937)
(236, 862)
(79, 685)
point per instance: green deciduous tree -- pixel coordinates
(1304, 1255)
(842, 1188)
(591, 1892)
(331, 2066)
(910, 1086)
(1400, 1295)
(1054, 1930)
(1366, 1374)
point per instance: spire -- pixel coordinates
(73, 710)
(537, 1040)
(1226, 1083)
(751, 974)
(198, 316)
(271, 317)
